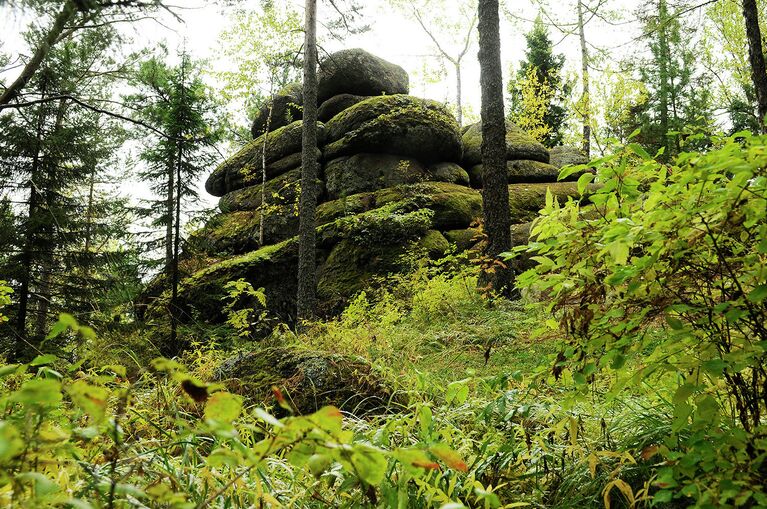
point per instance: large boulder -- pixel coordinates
(337, 104)
(369, 172)
(519, 145)
(395, 124)
(452, 205)
(448, 172)
(277, 191)
(355, 71)
(521, 171)
(238, 232)
(563, 155)
(309, 380)
(282, 110)
(526, 200)
(283, 153)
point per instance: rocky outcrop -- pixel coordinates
(399, 178)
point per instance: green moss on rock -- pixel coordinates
(398, 125)
(369, 172)
(309, 380)
(337, 104)
(283, 153)
(521, 171)
(519, 145)
(526, 200)
(280, 190)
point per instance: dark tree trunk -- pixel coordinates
(495, 190)
(307, 265)
(756, 59)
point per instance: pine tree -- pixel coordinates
(177, 103)
(546, 66)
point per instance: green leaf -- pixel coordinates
(11, 369)
(638, 150)
(583, 182)
(449, 457)
(758, 294)
(91, 398)
(10, 442)
(43, 485)
(40, 392)
(674, 323)
(42, 360)
(223, 407)
(370, 465)
(328, 418)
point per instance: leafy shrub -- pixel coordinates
(680, 248)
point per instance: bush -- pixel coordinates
(680, 249)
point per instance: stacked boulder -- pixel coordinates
(398, 175)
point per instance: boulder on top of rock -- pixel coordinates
(238, 232)
(337, 104)
(519, 145)
(526, 200)
(277, 191)
(564, 155)
(369, 172)
(355, 71)
(452, 206)
(309, 380)
(283, 153)
(521, 171)
(282, 110)
(398, 125)
(452, 173)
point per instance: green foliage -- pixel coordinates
(240, 317)
(5, 299)
(680, 250)
(538, 101)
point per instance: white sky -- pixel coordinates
(393, 36)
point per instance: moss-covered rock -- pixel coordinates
(355, 71)
(280, 190)
(521, 171)
(337, 104)
(463, 238)
(433, 244)
(453, 206)
(283, 153)
(563, 155)
(448, 172)
(238, 232)
(273, 268)
(398, 125)
(284, 109)
(369, 172)
(309, 380)
(519, 145)
(526, 200)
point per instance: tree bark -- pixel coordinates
(756, 59)
(586, 100)
(307, 265)
(458, 101)
(495, 190)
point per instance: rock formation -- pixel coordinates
(399, 176)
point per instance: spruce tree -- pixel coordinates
(547, 67)
(174, 100)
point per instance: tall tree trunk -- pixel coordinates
(495, 190)
(307, 265)
(756, 59)
(586, 100)
(175, 346)
(458, 94)
(169, 207)
(663, 72)
(30, 240)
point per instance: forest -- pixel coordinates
(387, 253)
